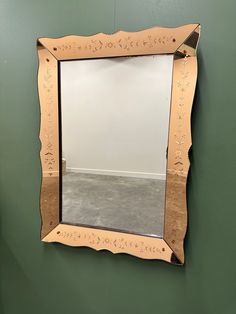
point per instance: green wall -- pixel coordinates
(39, 278)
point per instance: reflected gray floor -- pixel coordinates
(124, 203)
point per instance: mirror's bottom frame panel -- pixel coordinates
(182, 42)
(116, 242)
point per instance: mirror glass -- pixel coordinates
(114, 125)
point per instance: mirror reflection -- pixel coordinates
(115, 120)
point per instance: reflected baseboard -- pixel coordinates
(145, 175)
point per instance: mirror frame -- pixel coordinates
(181, 42)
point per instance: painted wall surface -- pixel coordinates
(51, 278)
(115, 115)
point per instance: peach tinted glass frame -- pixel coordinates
(181, 42)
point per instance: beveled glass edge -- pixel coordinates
(170, 248)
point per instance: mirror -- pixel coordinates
(115, 120)
(115, 132)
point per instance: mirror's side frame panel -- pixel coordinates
(49, 137)
(179, 144)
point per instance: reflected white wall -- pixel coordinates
(115, 115)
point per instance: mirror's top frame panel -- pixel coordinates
(156, 40)
(182, 42)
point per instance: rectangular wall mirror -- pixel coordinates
(115, 119)
(115, 134)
